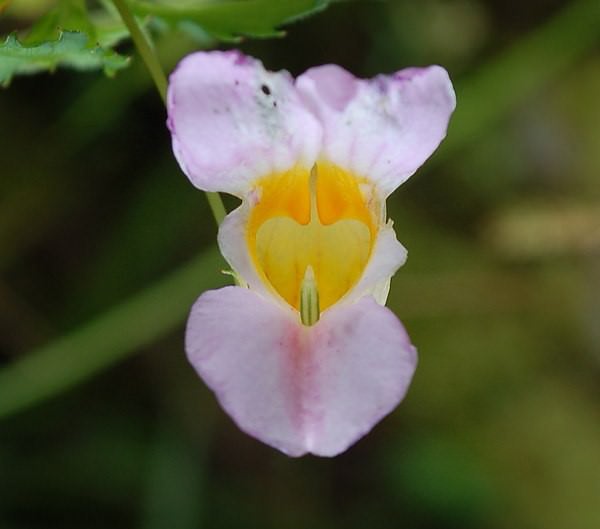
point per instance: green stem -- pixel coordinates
(143, 46)
(108, 338)
(216, 206)
(160, 81)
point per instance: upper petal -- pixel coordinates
(232, 121)
(300, 389)
(382, 128)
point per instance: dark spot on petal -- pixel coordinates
(265, 90)
(274, 103)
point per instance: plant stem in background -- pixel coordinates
(145, 50)
(160, 81)
(108, 338)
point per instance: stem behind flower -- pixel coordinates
(151, 61)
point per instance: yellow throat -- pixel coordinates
(321, 222)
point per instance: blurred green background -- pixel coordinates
(104, 245)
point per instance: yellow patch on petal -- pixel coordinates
(320, 219)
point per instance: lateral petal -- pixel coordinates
(234, 247)
(387, 256)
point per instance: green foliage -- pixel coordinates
(72, 34)
(103, 26)
(68, 35)
(70, 49)
(70, 15)
(232, 19)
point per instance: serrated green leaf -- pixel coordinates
(102, 26)
(232, 19)
(70, 50)
(66, 15)
(109, 32)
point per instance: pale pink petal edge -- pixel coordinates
(300, 389)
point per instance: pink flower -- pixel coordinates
(303, 355)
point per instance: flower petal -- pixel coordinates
(382, 128)
(387, 256)
(234, 247)
(300, 389)
(243, 347)
(232, 121)
(362, 363)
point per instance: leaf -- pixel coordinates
(103, 26)
(70, 49)
(109, 31)
(70, 15)
(232, 19)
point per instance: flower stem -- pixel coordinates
(143, 46)
(160, 81)
(216, 206)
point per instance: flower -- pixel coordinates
(303, 354)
